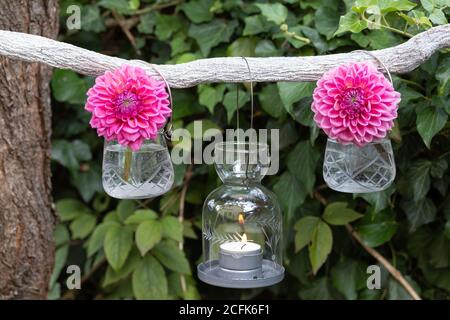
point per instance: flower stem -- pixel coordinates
(127, 164)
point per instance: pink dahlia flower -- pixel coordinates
(355, 103)
(128, 105)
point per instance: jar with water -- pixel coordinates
(354, 169)
(142, 174)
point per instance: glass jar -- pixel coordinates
(242, 222)
(353, 169)
(142, 174)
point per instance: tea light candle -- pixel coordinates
(241, 255)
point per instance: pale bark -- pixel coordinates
(26, 214)
(399, 59)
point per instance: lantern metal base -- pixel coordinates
(211, 273)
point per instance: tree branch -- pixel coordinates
(399, 59)
(374, 253)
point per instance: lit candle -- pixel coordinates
(240, 255)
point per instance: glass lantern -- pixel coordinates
(142, 174)
(353, 169)
(242, 222)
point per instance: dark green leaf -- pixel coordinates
(171, 257)
(148, 234)
(172, 228)
(377, 228)
(209, 35)
(275, 12)
(82, 225)
(430, 121)
(419, 212)
(290, 192)
(117, 245)
(304, 231)
(141, 215)
(302, 162)
(68, 209)
(338, 214)
(149, 280)
(198, 11)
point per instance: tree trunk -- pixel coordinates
(26, 215)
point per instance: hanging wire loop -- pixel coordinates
(169, 126)
(379, 61)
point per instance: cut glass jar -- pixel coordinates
(353, 169)
(142, 174)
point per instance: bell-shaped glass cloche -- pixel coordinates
(242, 222)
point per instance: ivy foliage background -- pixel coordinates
(129, 249)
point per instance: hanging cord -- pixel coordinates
(251, 91)
(168, 129)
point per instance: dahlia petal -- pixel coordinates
(355, 103)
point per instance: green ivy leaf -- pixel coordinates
(443, 76)
(326, 21)
(419, 180)
(302, 162)
(210, 96)
(147, 23)
(242, 47)
(349, 276)
(270, 101)
(304, 231)
(149, 280)
(351, 22)
(319, 289)
(172, 228)
(166, 25)
(291, 193)
(171, 257)
(338, 214)
(376, 228)
(440, 251)
(254, 25)
(117, 245)
(275, 12)
(379, 200)
(438, 16)
(68, 87)
(229, 101)
(419, 212)
(430, 120)
(148, 234)
(92, 20)
(198, 11)
(121, 6)
(291, 92)
(209, 35)
(321, 245)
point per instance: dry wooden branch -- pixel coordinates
(399, 59)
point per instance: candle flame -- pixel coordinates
(241, 218)
(244, 238)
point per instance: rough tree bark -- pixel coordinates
(26, 214)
